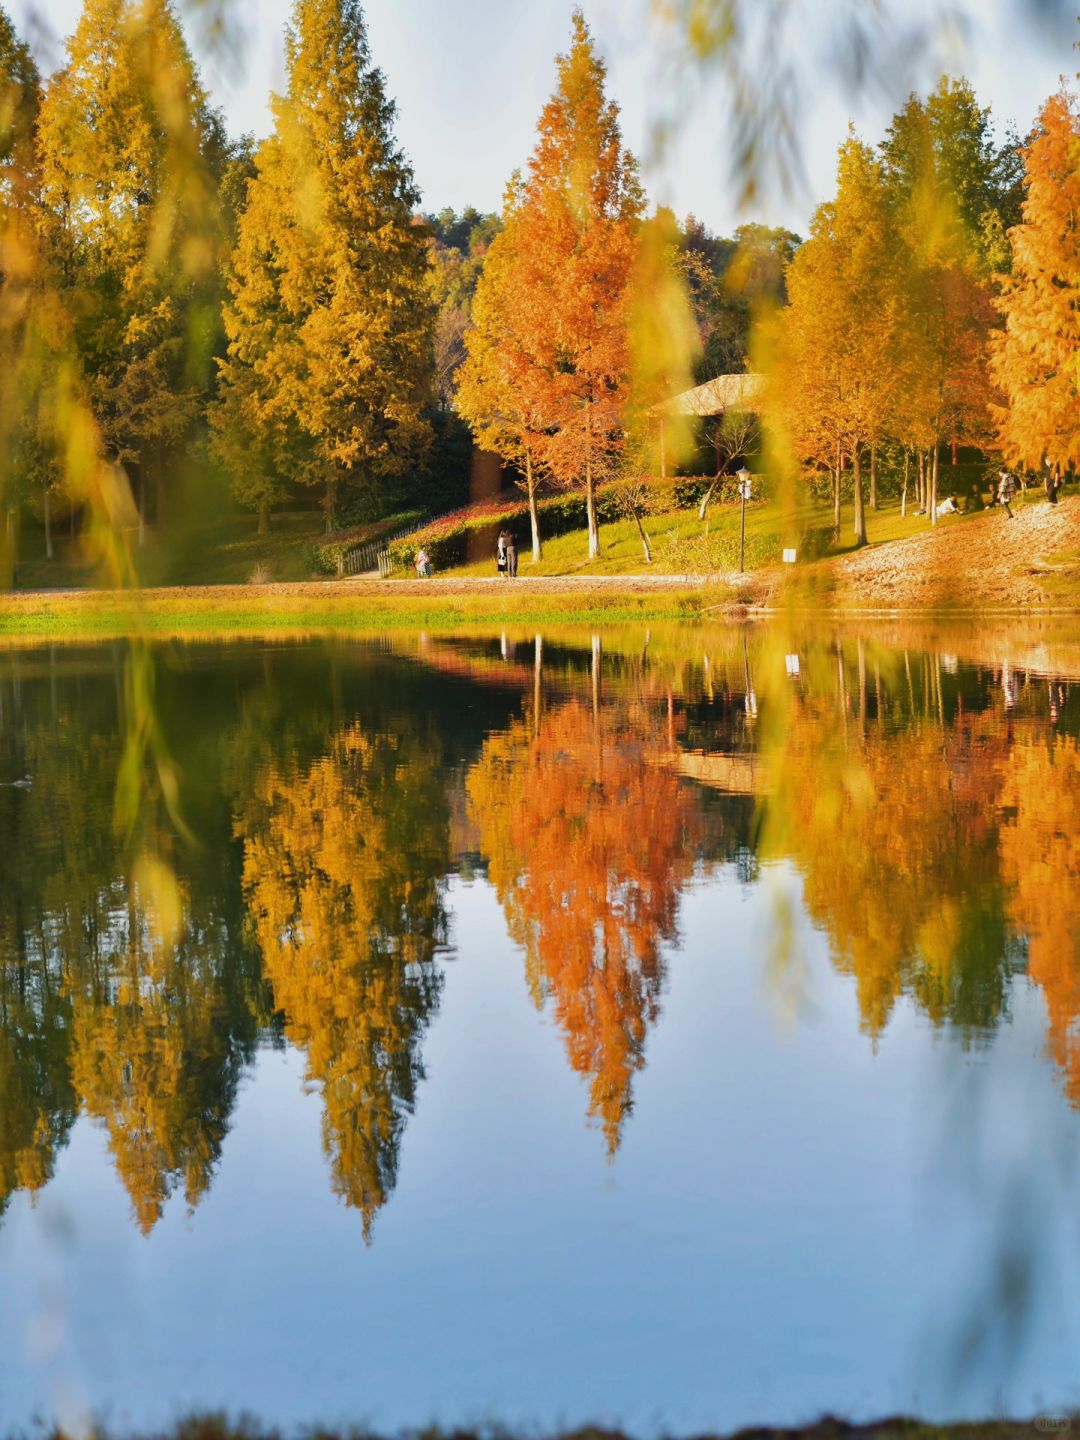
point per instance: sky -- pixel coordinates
(471, 76)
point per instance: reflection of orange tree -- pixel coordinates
(344, 862)
(1040, 856)
(894, 835)
(588, 843)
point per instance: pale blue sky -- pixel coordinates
(470, 77)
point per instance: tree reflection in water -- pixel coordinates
(927, 802)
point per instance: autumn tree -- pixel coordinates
(1036, 358)
(836, 379)
(501, 387)
(128, 149)
(329, 317)
(952, 191)
(580, 206)
(457, 257)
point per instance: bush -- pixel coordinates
(325, 554)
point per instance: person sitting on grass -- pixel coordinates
(424, 567)
(949, 506)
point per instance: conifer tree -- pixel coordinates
(127, 145)
(328, 307)
(837, 373)
(952, 191)
(20, 98)
(1036, 359)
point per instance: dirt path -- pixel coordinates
(987, 561)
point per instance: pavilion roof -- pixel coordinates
(717, 396)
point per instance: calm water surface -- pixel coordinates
(678, 1030)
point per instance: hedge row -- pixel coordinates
(326, 553)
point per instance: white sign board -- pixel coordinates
(789, 557)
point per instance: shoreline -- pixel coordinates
(446, 605)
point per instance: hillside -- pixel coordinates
(982, 561)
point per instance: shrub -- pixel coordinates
(326, 553)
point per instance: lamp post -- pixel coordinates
(743, 477)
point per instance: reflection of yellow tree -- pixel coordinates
(894, 836)
(36, 1101)
(1040, 857)
(343, 868)
(589, 842)
(155, 1056)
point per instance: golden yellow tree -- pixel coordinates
(329, 320)
(836, 375)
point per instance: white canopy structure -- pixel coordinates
(718, 396)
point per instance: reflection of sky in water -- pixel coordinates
(793, 1222)
(842, 1173)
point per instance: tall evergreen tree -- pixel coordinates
(329, 318)
(20, 98)
(128, 147)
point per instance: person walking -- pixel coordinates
(511, 555)
(1006, 492)
(1051, 480)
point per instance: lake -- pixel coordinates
(673, 1029)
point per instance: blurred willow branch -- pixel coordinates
(753, 51)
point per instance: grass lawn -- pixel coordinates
(229, 552)
(621, 551)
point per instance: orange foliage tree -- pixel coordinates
(574, 225)
(1036, 358)
(589, 841)
(1040, 861)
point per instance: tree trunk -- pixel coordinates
(264, 517)
(534, 513)
(71, 522)
(903, 492)
(703, 507)
(590, 495)
(48, 522)
(836, 491)
(933, 486)
(956, 452)
(922, 482)
(644, 538)
(142, 506)
(328, 502)
(873, 477)
(860, 512)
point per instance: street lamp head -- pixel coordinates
(743, 475)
